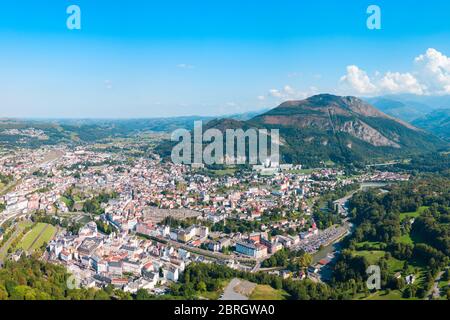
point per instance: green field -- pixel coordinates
(4, 250)
(392, 295)
(410, 215)
(369, 244)
(40, 234)
(264, 292)
(214, 295)
(372, 256)
(406, 239)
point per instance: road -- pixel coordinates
(238, 290)
(435, 292)
(385, 164)
(206, 253)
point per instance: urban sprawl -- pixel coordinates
(143, 220)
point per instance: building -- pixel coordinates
(115, 267)
(252, 250)
(89, 246)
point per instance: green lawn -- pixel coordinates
(214, 295)
(383, 295)
(265, 292)
(371, 244)
(395, 265)
(65, 200)
(25, 224)
(392, 295)
(406, 239)
(40, 234)
(372, 256)
(21, 225)
(410, 215)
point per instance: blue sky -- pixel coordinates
(164, 58)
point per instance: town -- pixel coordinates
(136, 222)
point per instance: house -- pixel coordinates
(133, 267)
(17, 255)
(115, 267)
(153, 277)
(101, 266)
(251, 249)
(410, 279)
(214, 246)
(171, 273)
(65, 255)
(139, 284)
(89, 245)
(183, 254)
(119, 282)
(224, 243)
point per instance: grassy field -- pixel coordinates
(264, 292)
(371, 244)
(392, 295)
(405, 239)
(410, 215)
(21, 225)
(40, 234)
(214, 295)
(372, 256)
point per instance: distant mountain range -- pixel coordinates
(319, 129)
(74, 131)
(409, 107)
(437, 122)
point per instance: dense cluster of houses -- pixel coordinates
(121, 260)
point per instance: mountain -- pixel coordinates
(407, 110)
(246, 116)
(437, 122)
(409, 107)
(340, 129)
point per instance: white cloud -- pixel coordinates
(289, 93)
(395, 82)
(434, 70)
(358, 80)
(430, 76)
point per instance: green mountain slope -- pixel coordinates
(437, 122)
(343, 130)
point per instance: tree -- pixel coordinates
(305, 260)
(3, 293)
(143, 294)
(277, 283)
(201, 286)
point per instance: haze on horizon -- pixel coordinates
(147, 60)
